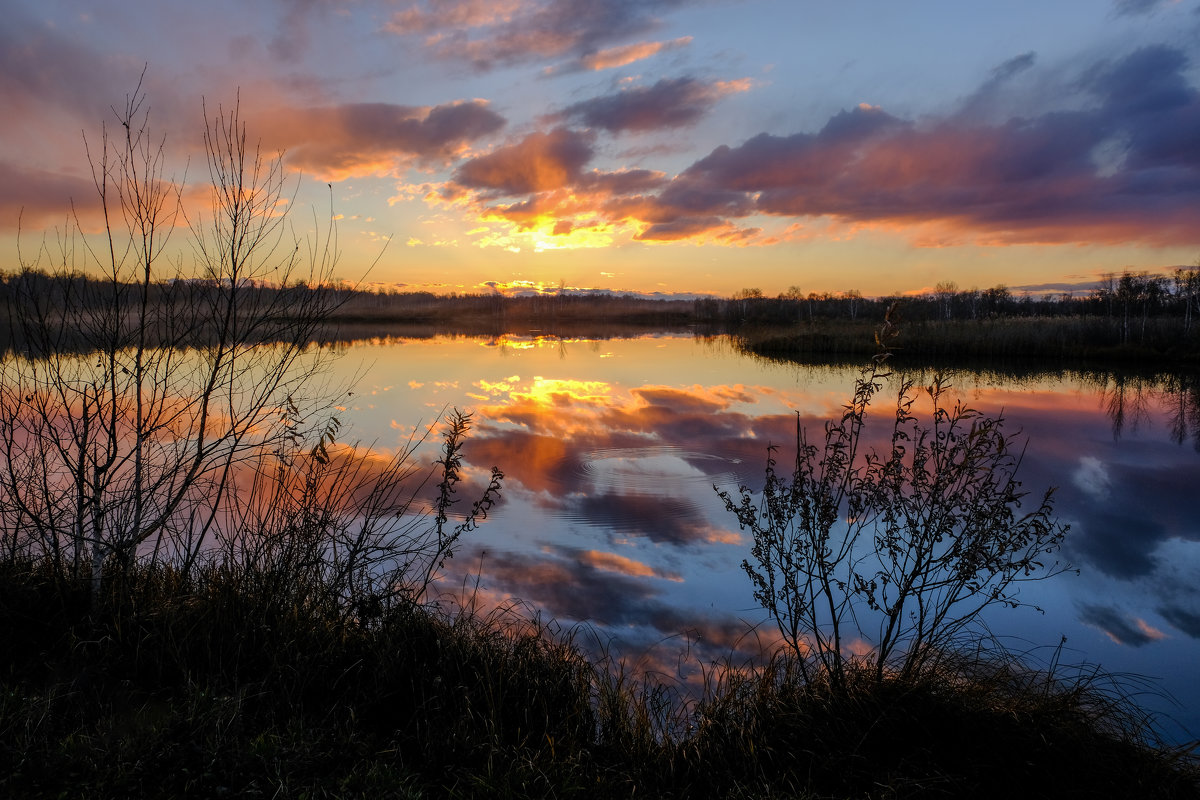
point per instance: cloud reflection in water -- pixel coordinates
(609, 515)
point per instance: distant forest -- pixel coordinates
(1131, 315)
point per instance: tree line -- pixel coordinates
(1129, 299)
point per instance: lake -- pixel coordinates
(611, 448)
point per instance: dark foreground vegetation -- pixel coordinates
(239, 683)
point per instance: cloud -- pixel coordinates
(538, 163)
(336, 142)
(620, 56)
(667, 435)
(669, 103)
(434, 15)
(1112, 161)
(677, 522)
(569, 588)
(623, 565)
(293, 36)
(627, 54)
(37, 198)
(1120, 627)
(1039, 179)
(1092, 477)
(488, 35)
(621, 182)
(1131, 8)
(38, 65)
(1185, 619)
(984, 101)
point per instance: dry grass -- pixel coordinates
(206, 688)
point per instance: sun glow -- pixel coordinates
(541, 234)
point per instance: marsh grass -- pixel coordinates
(1071, 338)
(210, 685)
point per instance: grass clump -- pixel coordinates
(982, 725)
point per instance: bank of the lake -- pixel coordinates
(1134, 327)
(214, 685)
(1077, 341)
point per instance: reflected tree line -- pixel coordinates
(1130, 399)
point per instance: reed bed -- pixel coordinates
(1058, 339)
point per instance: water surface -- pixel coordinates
(611, 448)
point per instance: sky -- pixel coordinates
(651, 146)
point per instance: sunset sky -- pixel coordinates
(675, 146)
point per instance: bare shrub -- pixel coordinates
(139, 399)
(893, 554)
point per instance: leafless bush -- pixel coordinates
(899, 551)
(140, 400)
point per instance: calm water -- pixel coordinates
(611, 448)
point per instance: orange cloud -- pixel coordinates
(457, 14)
(540, 162)
(627, 54)
(611, 562)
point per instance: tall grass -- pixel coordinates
(221, 682)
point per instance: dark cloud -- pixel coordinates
(624, 182)
(540, 463)
(487, 35)
(568, 587)
(1119, 545)
(1119, 530)
(1078, 287)
(1013, 66)
(1124, 169)
(365, 138)
(1120, 627)
(1148, 81)
(538, 163)
(36, 199)
(670, 103)
(1185, 619)
(663, 520)
(614, 562)
(981, 102)
(773, 163)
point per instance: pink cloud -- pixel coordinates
(336, 142)
(487, 35)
